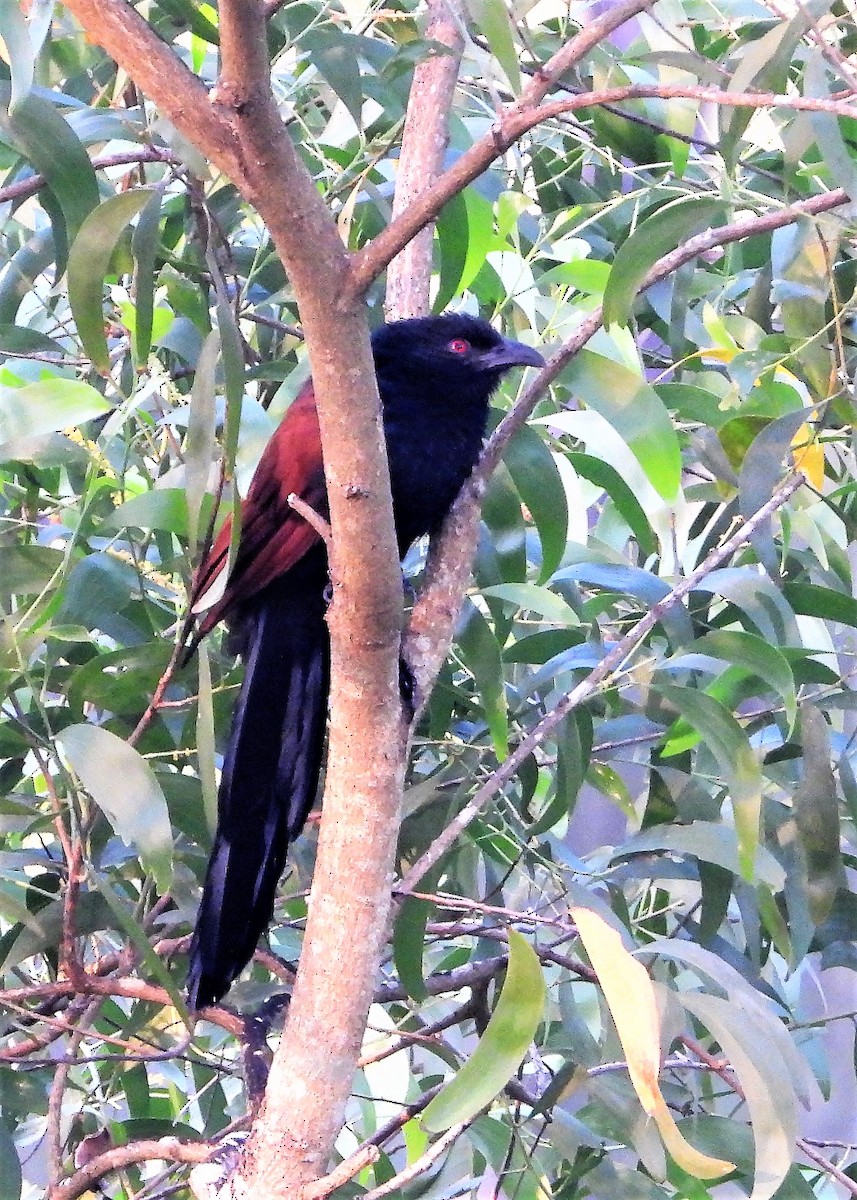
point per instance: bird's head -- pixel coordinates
(453, 355)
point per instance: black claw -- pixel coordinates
(408, 689)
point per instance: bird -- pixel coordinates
(435, 378)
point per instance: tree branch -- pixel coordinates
(424, 142)
(169, 1149)
(433, 618)
(610, 663)
(183, 98)
(33, 184)
(516, 120)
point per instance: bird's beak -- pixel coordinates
(512, 354)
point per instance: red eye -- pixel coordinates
(458, 346)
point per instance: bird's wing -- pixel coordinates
(273, 536)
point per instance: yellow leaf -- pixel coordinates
(808, 456)
(631, 1000)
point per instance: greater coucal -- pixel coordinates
(435, 378)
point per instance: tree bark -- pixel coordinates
(424, 143)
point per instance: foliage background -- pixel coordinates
(703, 802)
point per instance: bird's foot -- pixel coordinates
(409, 689)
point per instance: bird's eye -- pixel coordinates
(458, 346)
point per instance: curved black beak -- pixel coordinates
(511, 354)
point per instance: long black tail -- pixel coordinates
(270, 773)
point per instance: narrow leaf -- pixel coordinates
(10, 1166)
(728, 743)
(200, 445)
(816, 809)
(765, 1081)
(481, 655)
(671, 225)
(47, 407)
(53, 148)
(88, 263)
(124, 787)
(635, 411)
(503, 1045)
(409, 944)
(630, 997)
(144, 244)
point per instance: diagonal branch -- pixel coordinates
(610, 663)
(723, 235)
(519, 119)
(433, 618)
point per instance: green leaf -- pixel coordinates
(162, 508)
(187, 14)
(27, 569)
(744, 998)
(800, 255)
(671, 225)
(206, 744)
(761, 473)
(764, 67)
(503, 1045)
(708, 841)
(765, 604)
(47, 407)
(535, 474)
(465, 233)
(201, 443)
(816, 809)
(492, 18)
(88, 264)
(503, 558)
(605, 476)
(332, 54)
(754, 653)
(634, 410)
(124, 787)
(409, 943)
(53, 148)
(813, 600)
(20, 53)
(144, 244)
(138, 938)
(11, 1178)
(765, 1080)
(647, 588)
(22, 270)
(481, 655)
(531, 597)
(748, 653)
(736, 761)
(539, 647)
(573, 748)
(232, 356)
(43, 930)
(828, 134)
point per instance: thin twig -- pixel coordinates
(309, 514)
(341, 1174)
(24, 188)
(419, 1166)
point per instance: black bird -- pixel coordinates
(435, 378)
